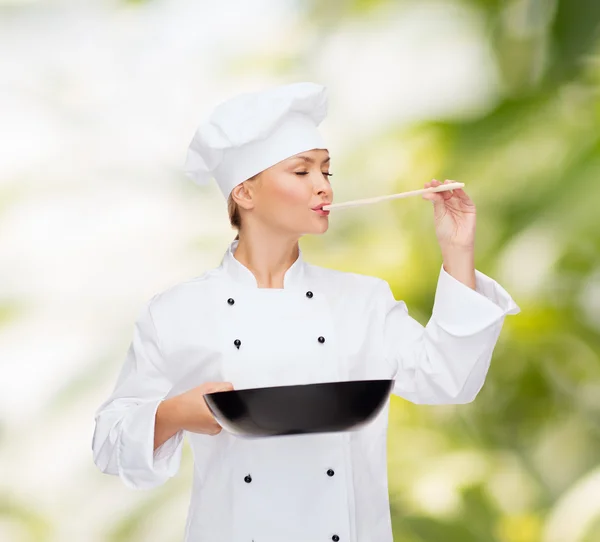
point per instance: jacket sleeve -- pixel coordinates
(123, 438)
(446, 361)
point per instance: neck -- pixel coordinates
(267, 256)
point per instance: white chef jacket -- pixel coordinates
(298, 488)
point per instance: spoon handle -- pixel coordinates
(359, 202)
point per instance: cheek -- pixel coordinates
(290, 193)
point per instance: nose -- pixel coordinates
(325, 192)
(321, 185)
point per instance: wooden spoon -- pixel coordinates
(359, 202)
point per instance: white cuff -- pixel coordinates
(139, 466)
(461, 311)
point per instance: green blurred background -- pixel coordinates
(98, 102)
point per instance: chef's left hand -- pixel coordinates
(454, 215)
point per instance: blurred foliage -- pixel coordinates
(30, 526)
(532, 165)
(503, 468)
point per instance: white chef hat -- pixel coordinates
(255, 130)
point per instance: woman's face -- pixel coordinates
(288, 192)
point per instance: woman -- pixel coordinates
(266, 317)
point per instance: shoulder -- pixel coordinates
(345, 281)
(192, 292)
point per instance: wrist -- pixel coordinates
(171, 413)
(460, 264)
(457, 250)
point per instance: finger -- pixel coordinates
(448, 194)
(454, 190)
(437, 196)
(223, 388)
(462, 195)
(213, 387)
(459, 192)
(431, 196)
(209, 387)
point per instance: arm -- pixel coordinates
(167, 422)
(187, 411)
(446, 361)
(123, 442)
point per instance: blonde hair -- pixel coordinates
(234, 215)
(233, 210)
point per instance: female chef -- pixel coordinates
(266, 317)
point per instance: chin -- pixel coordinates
(315, 230)
(322, 228)
(314, 227)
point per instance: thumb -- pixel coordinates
(217, 386)
(224, 386)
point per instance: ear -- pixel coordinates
(243, 195)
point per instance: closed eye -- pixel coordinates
(306, 173)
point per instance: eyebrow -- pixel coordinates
(311, 160)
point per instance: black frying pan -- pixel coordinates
(305, 408)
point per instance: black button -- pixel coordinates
(330, 472)
(309, 294)
(248, 479)
(230, 301)
(237, 343)
(321, 340)
(335, 538)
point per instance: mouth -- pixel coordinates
(319, 209)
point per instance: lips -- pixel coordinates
(319, 210)
(320, 206)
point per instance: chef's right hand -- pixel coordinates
(187, 411)
(194, 414)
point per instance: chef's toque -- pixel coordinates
(255, 130)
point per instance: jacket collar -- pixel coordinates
(238, 272)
